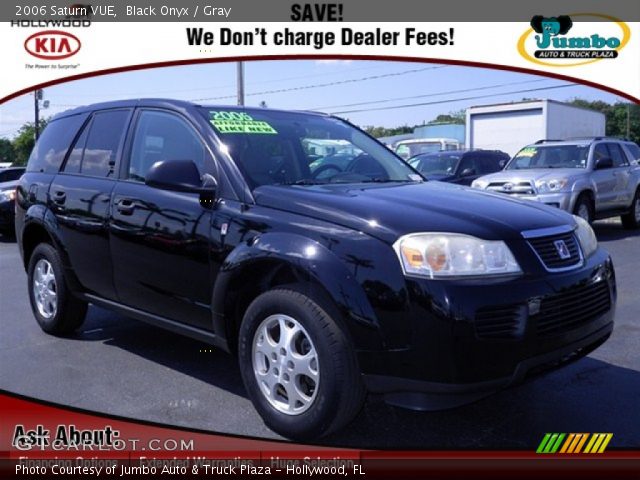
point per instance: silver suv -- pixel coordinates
(592, 177)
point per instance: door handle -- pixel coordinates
(125, 206)
(59, 197)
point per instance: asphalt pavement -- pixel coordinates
(122, 367)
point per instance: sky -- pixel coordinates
(379, 93)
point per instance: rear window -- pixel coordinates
(52, 146)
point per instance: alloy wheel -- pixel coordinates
(285, 364)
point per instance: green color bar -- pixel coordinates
(550, 444)
(555, 448)
(543, 443)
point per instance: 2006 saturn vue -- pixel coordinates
(210, 222)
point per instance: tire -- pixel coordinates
(584, 208)
(334, 395)
(59, 313)
(631, 220)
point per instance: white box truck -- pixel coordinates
(511, 126)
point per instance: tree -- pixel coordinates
(616, 117)
(387, 132)
(24, 141)
(457, 118)
(6, 151)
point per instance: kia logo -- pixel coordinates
(52, 45)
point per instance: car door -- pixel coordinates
(160, 238)
(622, 171)
(604, 179)
(79, 198)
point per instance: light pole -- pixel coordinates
(37, 97)
(240, 80)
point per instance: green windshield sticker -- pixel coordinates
(527, 152)
(239, 122)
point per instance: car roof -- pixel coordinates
(582, 141)
(166, 102)
(462, 152)
(427, 139)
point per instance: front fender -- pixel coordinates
(581, 185)
(317, 264)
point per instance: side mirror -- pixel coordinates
(468, 172)
(179, 176)
(604, 162)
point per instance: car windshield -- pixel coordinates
(550, 156)
(290, 148)
(438, 164)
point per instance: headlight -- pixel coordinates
(554, 185)
(479, 183)
(7, 195)
(586, 236)
(442, 255)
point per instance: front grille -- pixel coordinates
(549, 250)
(572, 308)
(504, 322)
(520, 188)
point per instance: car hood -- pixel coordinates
(387, 211)
(533, 174)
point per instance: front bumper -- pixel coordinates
(456, 359)
(563, 200)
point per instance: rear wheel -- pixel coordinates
(584, 208)
(298, 366)
(631, 220)
(57, 311)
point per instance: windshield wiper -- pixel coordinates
(304, 181)
(389, 180)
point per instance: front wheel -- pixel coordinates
(298, 366)
(57, 311)
(584, 208)
(631, 220)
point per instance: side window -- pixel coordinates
(95, 151)
(600, 151)
(52, 146)
(617, 155)
(163, 136)
(474, 162)
(105, 134)
(634, 150)
(75, 157)
(491, 164)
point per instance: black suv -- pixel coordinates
(210, 222)
(459, 166)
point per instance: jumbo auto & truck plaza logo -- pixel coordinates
(563, 41)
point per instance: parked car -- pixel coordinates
(207, 221)
(10, 174)
(7, 206)
(459, 166)
(593, 178)
(8, 184)
(410, 148)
